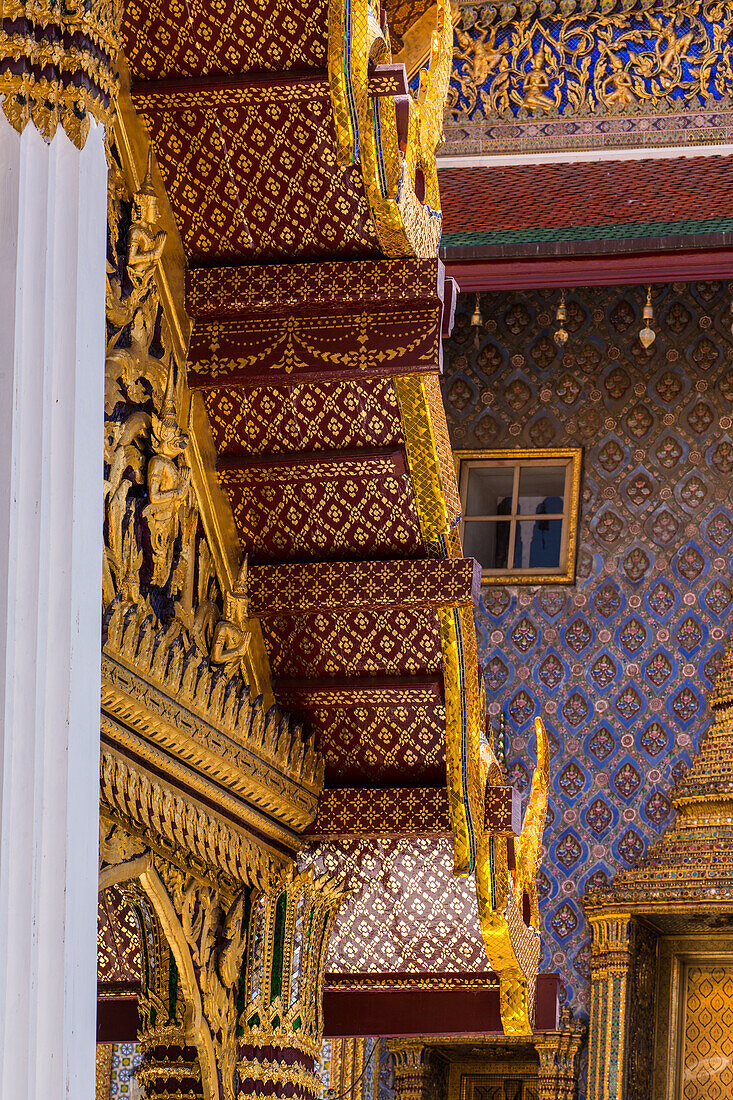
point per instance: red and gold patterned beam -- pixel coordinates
(290, 323)
(298, 589)
(402, 692)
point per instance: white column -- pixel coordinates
(52, 342)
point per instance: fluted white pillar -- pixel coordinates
(52, 340)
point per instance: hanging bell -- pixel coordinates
(647, 336)
(477, 320)
(561, 336)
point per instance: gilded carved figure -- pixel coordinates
(482, 57)
(671, 50)
(145, 243)
(536, 84)
(148, 497)
(232, 639)
(131, 372)
(168, 482)
(215, 932)
(617, 87)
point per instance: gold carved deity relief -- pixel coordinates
(595, 62)
(155, 550)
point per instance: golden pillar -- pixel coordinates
(280, 1021)
(557, 1076)
(415, 1072)
(610, 972)
(348, 1066)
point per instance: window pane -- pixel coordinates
(538, 543)
(489, 491)
(488, 542)
(541, 489)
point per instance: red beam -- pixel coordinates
(283, 324)
(360, 1012)
(578, 271)
(117, 1019)
(359, 691)
(385, 80)
(357, 1013)
(316, 82)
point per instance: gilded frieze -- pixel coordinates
(629, 57)
(141, 812)
(596, 63)
(153, 684)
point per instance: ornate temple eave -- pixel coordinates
(345, 460)
(209, 750)
(197, 726)
(603, 207)
(194, 833)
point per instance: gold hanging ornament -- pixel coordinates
(647, 336)
(561, 336)
(477, 321)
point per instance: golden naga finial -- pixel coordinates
(393, 138)
(506, 889)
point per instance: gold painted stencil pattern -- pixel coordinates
(336, 586)
(331, 416)
(303, 512)
(350, 811)
(365, 643)
(118, 940)
(708, 1038)
(255, 174)
(405, 912)
(382, 742)
(164, 38)
(226, 291)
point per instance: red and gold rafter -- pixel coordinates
(365, 585)
(162, 40)
(250, 173)
(353, 509)
(339, 415)
(380, 811)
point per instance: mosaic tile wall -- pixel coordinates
(620, 663)
(116, 1065)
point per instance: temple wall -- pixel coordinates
(619, 663)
